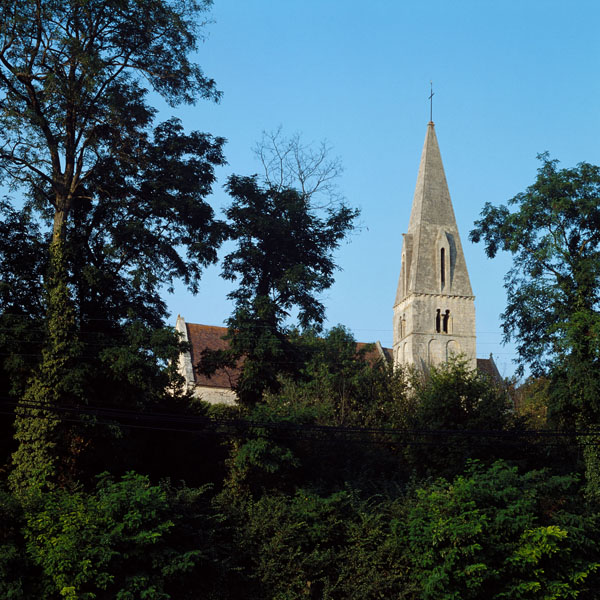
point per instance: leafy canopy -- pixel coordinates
(553, 287)
(70, 71)
(282, 261)
(494, 533)
(76, 136)
(117, 201)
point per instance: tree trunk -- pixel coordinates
(59, 228)
(42, 458)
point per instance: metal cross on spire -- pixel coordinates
(431, 102)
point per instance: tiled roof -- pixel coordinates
(210, 337)
(374, 353)
(488, 366)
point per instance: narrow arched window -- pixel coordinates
(443, 266)
(446, 320)
(438, 318)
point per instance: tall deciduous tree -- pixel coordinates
(553, 309)
(70, 77)
(125, 203)
(283, 259)
(554, 285)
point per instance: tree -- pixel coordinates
(462, 403)
(125, 539)
(124, 202)
(345, 383)
(554, 289)
(291, 163)
(19, 579)
(282, 261)
(21, 309)
(70, 76)
(531, 401)
(315, 545)
(554, 286)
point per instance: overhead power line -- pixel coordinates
(228, 427)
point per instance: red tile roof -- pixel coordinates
(488, 366)
(372, 355)
(210, 337)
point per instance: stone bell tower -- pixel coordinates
(434, 311)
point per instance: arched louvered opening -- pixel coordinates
(446, 321)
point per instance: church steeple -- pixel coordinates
(431, 202)
(434, 313)
(433, 224)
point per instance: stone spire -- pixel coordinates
(434, 299)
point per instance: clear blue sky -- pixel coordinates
(511, 79)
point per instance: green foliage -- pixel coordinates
(306, 545)
(81, 141)
(126, 540)
(21, 307)
(21, 271)
(553, 287)
(493, 533)
(452, 396)
(458, 405)
(342, 383)
(108, 541)
(531, 401)
(445, 417)
(147, 225)
(18, 578)
(41, 457)
(373, 561)
(202, 560)
(114, 210)
(554, 238)
(282, 261)
(257, 464)
(489, 533)
(284, 249)
(339, 385)
(357, 385)
(297, 543)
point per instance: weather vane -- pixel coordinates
(431, 102)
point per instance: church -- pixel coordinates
(434, 310)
